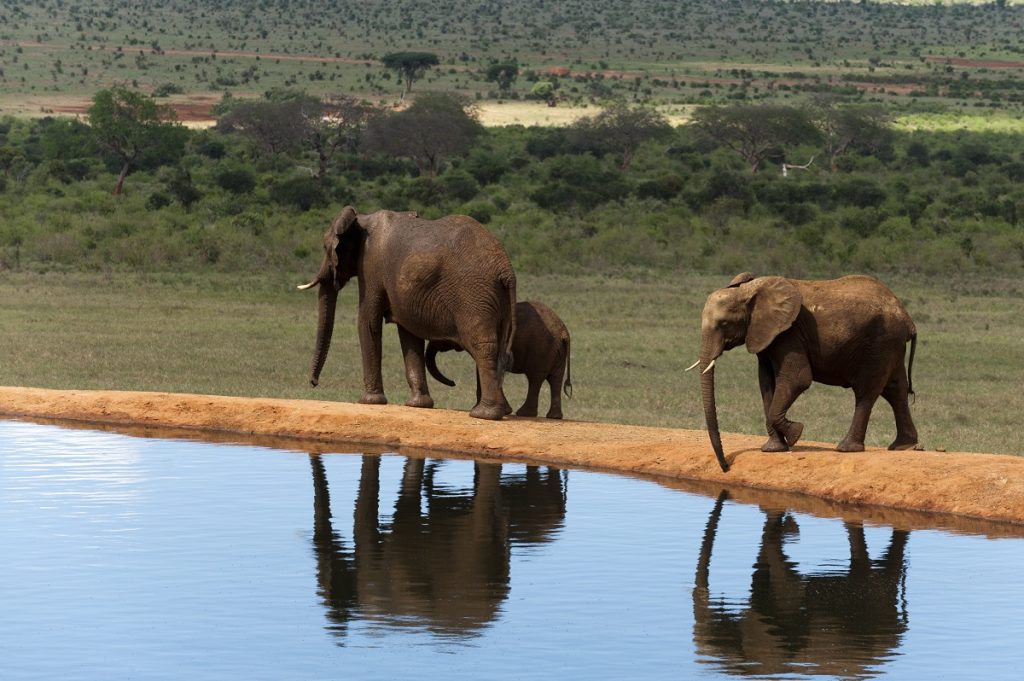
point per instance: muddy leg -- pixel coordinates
(415, 373)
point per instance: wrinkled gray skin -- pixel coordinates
(540, 349)
(850, 332)
(446, 280)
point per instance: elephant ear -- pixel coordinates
(774, 307)
(740, 279)
(339, 226)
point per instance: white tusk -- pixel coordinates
(310, 285)
(709, 367)
(692, 366)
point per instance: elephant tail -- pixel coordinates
(910, 364)
(567, 388)
(430, 359)
(507, 326)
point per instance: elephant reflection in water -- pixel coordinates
(443, 564)
(837, 624)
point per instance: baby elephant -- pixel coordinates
(540, 349)
(850, 332)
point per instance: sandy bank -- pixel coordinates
(986, 486)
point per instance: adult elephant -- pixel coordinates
(441, 558)
(540, 350)
(448, 280)
(839, 623)
(850, 332)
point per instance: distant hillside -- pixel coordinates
(658, 51)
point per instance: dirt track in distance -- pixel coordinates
(984, 486)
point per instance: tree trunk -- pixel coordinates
(120, 178)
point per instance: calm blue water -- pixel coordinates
(141, 558)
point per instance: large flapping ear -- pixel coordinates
(774, 306)
(345, 219)
(741, 278)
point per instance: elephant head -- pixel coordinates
(748, 311)
(342, 249)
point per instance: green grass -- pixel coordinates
(219, 334)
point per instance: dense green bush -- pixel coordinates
(940, 203)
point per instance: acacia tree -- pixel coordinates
(846, 128)
(273, 127)
(437, 125)
(410, 66)
(620, 129)
(755, 132)
(131, 125)
(332, 125)
(504, 74)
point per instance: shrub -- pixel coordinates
(860, 192)
(664, 187)
(460, 185)
(235, 178)
(300, 191)
(481, 211)
(158, 200)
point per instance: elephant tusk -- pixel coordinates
(304, 287)
(709, 367)
(692, 366)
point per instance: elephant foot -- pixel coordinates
(900, 444)
(489, 412)
(373, 398)
(791, 431)
(421, 401)
(850, 445)
(525, 411)
(554, 415)
(774, 444)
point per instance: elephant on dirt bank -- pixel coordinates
(447, 280)
(540, 349)
(850, 332)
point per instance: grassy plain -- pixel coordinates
(632, 337)
(662, 51)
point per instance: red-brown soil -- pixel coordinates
(983, 486)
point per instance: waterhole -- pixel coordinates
(127, 557)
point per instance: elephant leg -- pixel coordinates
(415, 369)
(555, 381)
(491, 404)
(854, 440)
(897, 394)
(371, 323)
(529, 407)
(788, 384)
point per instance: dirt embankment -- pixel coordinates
(985, 486)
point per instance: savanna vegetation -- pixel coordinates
(820, 189)
(952, 53)
(137, 253)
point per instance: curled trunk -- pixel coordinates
(328, 303)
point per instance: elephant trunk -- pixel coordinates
(328, 303)
(707, 393)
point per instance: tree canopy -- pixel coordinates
(620, 129)
(129, 125)
(410, 66)
(755, 132)
(437, 125)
